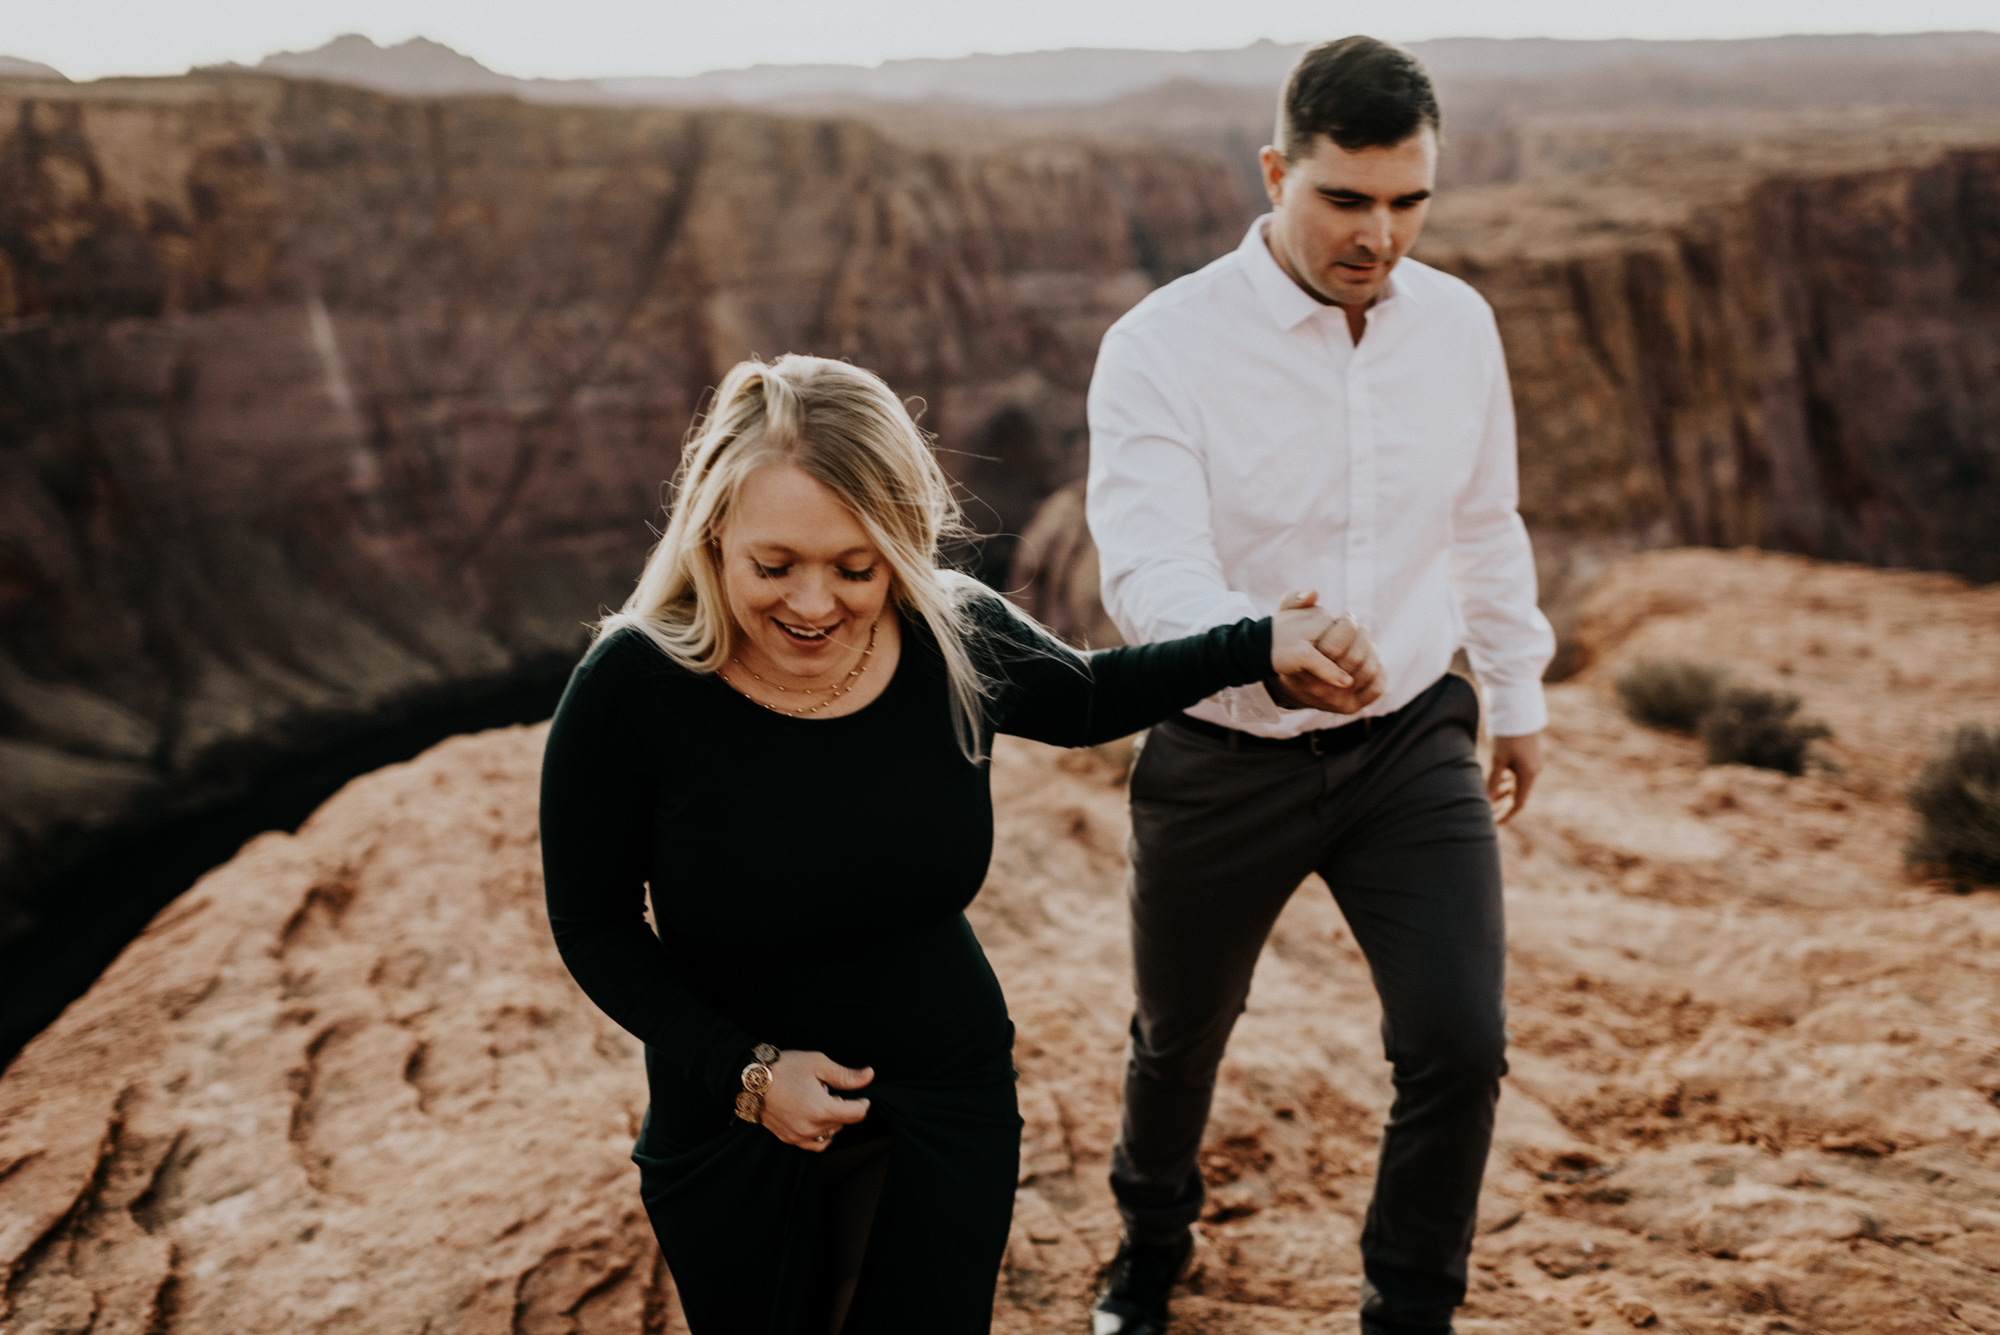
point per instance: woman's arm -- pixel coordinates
(1054, 694)
(597, 842)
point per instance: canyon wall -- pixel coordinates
(320, 406)
(317, 405)
(1779, 333)
(1790, 341)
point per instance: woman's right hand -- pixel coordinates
(798, 1107)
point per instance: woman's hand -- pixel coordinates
(1321, 662)
(799, 1110)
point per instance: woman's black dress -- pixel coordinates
(808, 879)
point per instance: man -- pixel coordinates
(1316, 411)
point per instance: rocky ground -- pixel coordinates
(344, 1085)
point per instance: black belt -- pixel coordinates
(1321, 742)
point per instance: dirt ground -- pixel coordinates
(345, 1085)
(1755, 1065)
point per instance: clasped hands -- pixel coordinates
(1329, 663)
(1320, 661)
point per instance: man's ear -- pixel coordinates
(1274, 166)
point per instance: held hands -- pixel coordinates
(1321, 662)
(798, 1107)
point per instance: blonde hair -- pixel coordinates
(844, 428)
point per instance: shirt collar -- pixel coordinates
(1285, 302)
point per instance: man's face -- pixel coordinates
(1342, 219)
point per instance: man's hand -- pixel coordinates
(1344, 645)
(1517, 762)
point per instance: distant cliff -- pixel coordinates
(318, 405)
(1723, 332)
(1789, 341)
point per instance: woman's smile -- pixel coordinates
(808, 634)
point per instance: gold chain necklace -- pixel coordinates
(839, 688)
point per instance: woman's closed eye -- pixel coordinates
(779, 572)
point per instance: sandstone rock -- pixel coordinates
(344, 1084)
(1758, 331)
(1637, 1312)
(1892, 660)
(319, 407)
(1055, 575)
(1747, 330)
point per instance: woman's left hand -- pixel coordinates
(800, 1107)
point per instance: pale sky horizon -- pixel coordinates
(88, 39)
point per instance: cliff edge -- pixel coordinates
(319, 407)
(345, 1085)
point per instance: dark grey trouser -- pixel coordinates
(1395, 818)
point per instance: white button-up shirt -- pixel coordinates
(1242, 446)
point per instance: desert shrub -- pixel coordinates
(1671, 694)
(1957, 798)
(1752, 727)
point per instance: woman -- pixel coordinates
(783, 732)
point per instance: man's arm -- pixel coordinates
(1147, 504)
(1493, 571)
(1148, 507)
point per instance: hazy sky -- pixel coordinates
(570, 38)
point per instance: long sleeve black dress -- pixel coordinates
(808, 881)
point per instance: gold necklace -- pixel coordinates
(839, 688)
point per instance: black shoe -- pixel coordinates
(1133, 1300)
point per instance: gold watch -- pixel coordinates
(756, 1079)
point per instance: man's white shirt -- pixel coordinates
(1242, 446)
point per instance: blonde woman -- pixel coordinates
(783, 734)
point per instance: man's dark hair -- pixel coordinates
(1357, 91)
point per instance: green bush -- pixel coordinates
(1958, 798)
(1752, 727)
(1671, 694)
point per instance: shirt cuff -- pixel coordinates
(1515, 711)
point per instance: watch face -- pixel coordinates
(756, 1079)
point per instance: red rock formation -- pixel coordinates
(345, 1085)
(1760, 333)
(1055, 573)
(1767, 334)
(316, 404)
